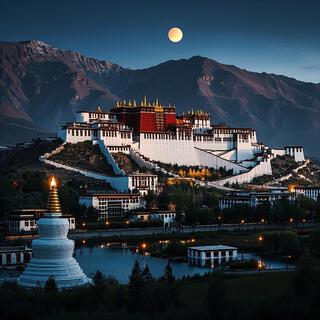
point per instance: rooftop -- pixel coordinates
(213, 248)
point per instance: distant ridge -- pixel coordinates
(42, 87)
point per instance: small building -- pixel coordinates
(311, 192)
(14, 255)
(112, 207)
(211, 256)
(25, 220)
(143, 182)
(253, 199)
(168, 217)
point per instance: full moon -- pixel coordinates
(175, 34)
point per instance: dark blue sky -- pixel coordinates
(280, 36)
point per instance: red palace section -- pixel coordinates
(146, 117)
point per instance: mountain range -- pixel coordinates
(42, 87)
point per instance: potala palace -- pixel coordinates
(151, 132)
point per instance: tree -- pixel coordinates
(216, 296)
(135, 286)
(168, 275)
(289, 242)
(99, 280)
(305, 274)
(146, 276)
(50, 285)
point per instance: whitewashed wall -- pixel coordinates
(210, 160)
(264, 167)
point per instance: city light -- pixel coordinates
(260, 238)
(144, 245)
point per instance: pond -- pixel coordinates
(118, 262)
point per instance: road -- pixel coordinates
(86, 234)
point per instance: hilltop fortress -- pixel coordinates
(152, 132)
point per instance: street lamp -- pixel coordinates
(260, 241)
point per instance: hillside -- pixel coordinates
(42, 87)
(83, 155)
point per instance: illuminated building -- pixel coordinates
(253, 199)
(151, 132)
(312, 192)
(112, 207)
(211, 256)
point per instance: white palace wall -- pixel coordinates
(212, 161)
(173, 151)
(262, 168)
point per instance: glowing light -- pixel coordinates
(262, 220)
(291, 220)
(291, 187)
(127, 222)
(83, 241)
(107, 222)
(242, 221)
(144, 245)
(53, 183)
(193, 240)
(260, 238)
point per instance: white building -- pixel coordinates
(25, 220)
(143, 182)
(155, 132)
(311, 192)
(167, 217)
(113, 207)
(14, 255)
(253, 199)
(211, 256)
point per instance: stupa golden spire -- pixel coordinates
(53, 205)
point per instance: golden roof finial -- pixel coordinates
(53, 205)
(157, 102)
(145, 101)
(129, 103)
(134, 103)
(98, 109)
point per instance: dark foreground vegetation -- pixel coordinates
(286, 295)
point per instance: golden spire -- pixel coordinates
(145, 101)
(134, 103)
(53, 205)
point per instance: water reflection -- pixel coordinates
(117, 261)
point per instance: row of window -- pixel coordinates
(82, 132)
(106, 201)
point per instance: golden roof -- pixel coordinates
(53, 205)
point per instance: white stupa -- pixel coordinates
(52, 251)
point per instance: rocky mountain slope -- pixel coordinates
(42, 87)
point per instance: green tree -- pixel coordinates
(135, 288)
(216, 296)
(168, 274)
(50, 285)
(99, 280)
(305, 275)
(146, 276)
